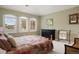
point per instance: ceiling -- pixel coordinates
(38, 9)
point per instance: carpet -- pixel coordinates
(59, 47)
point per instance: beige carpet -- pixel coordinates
(59, 47)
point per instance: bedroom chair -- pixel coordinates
(74, 49)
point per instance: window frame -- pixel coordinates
(10, 30)
(33, 19)
(20, 20)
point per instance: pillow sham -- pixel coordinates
(11, 40)
(5, 45)
(2, 45)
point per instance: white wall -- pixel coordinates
(61, 21)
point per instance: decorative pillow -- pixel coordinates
(2, 36)
(2, 45)
(12, 41)
(6, 44)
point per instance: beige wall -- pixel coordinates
(61, 21)
(4, 11)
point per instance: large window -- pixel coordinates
(32, 24)
(10, 23)
(27, 24)
(23, 24)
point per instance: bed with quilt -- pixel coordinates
(31, 44)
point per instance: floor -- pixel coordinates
(59, 47)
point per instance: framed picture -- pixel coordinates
(73, 19)
(50, 22)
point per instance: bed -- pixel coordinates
(33, 45)
(30, 44)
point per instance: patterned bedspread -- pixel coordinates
(33, 45)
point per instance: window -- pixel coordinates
(33, 24)
(23, 24)
(10, 23)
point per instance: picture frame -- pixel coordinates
(73, 19)
(50, 22)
